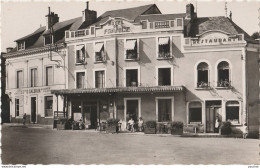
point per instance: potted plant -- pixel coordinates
(177, 128)
(150, 127)
(112, 125)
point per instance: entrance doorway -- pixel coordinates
(33, 110)
(213, 109)
(132, 110)
(90, 114)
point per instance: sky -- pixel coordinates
(20, 18)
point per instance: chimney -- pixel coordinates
(52, 18)
(190, 11)
(89, 16)
(9, 49)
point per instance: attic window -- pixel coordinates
(144, 24)
(21, 45)
(48, 40)
(179, 22)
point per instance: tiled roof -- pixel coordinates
(38, 31)
(129, 13)
(204, 24)
(159, 17)
(120, 89)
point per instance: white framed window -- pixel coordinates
(131, 49)
(164, 109)
(80, 79)
(179, 22)
(19, 102)
(223, 74)
(164, 47)
(33, 77)
(132, 77)
(100, 52)
(80, 54)
(164, 76)
(21, 45)
(195, 113)
(162, 24)
(19, 79)
(144, 24)
(49, 76)
(233, 112)
(99, 78)
(203, 75)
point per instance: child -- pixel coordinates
(245, 130)
(140, 124)
(24, 118)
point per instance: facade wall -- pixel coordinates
(26, 92)
(253, 93)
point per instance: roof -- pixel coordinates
(119, 89)
(128, 13)
(159, 17)
(39, 30)
(204, 24)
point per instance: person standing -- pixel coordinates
(217, 123)
(24, 118)
(245, 130)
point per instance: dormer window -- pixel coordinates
(48, 39)
(21, 45)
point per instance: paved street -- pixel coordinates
(21, 145)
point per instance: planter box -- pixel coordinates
(149, 130)
(111, 129)
(177, 131)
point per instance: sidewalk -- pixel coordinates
(28, 125)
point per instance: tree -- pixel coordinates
(255, 35)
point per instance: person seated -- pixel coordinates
(140, 124)
(131, 125)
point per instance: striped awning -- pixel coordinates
(130, 44)
(164, 40)
(119, 90)
(98, 47)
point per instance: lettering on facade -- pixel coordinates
(214, 41)
(30, 91)
(117, 26)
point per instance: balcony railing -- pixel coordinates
(164, 55)
(203, 84)
(225, 84)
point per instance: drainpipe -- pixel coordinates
(244, 86)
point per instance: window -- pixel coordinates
(21, 45)
(195, 112)
(223, 74)
(48, 106)
(144, 24)
(172, 23)
(92, 30)
(131, 77)
(80, 54)
(203, 75)
(164, 47)
(179, 22)
(19, 79)
(48, 39)
(164, 76)
(80, 80)
(232, 112)
(99, 52)
(18, 107)
(164, 110)
(151, 25)
(49, 76)
(33, 77)
(99, 79)
(131, 48)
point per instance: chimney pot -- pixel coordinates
(190, 11)
(87, 5)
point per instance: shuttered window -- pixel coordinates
(33, 77)
(49, 76)
(80, 82)
(19, 79)
(100, 79)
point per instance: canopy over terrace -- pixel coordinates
(71, 94)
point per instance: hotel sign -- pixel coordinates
(31, 91)
(116, 26)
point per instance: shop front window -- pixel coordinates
(48, 106)
(195, 112)
(232, 112)
(164, 110)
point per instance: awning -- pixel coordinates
(98, 47)
(79, 47)
(119, 90)
(130, 44)
(164, 40)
